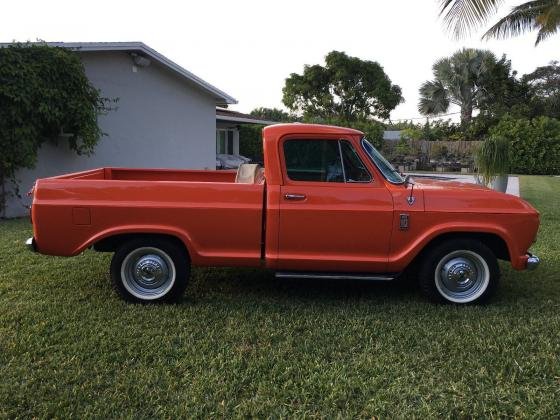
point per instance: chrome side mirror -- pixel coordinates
(408, 180)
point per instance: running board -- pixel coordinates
(332, 276)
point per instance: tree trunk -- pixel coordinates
(466, 114)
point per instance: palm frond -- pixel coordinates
(544, 33)
(461, 17)
(434, 98)
(548, 21)
(542, 15)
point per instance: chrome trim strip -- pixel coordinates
(331, 276)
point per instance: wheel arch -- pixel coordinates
(109, 241)
(493, 241)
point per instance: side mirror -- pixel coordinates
(408, 180)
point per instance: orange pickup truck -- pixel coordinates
(326, 205)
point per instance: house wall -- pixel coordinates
(162, 121)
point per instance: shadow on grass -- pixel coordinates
(252, 283)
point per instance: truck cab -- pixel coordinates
(327, 205)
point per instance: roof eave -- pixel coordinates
(220, 96)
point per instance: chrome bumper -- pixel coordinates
(30, 244)
(532, 262)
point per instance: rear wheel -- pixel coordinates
(150, 270)
(459, 271)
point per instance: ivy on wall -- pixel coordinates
(44, 96)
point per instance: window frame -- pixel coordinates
(226, 132)
(361, 161)
(284, 167)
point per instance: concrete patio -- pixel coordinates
(512, 188)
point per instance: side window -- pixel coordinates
(313, 160)
(354, 168)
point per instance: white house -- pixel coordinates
(166, 117)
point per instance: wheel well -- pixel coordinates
(111, 243)
(496, 244)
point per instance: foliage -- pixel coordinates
(463, 16)
(544, 87)
(403, 147)
(412, 133)
(542, 16)
(464, 79)
(273, 114)
(493, 157)
(44, 96)
(535, 144)
(250, 142)
(245, 345)
(373, 130)
(346, 88)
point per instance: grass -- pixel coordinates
(244, 344)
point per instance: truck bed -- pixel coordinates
(128, 174)
(220, 221)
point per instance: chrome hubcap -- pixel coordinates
(462, 276)
(148, 273)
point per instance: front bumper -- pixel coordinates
(30, 244)
(532, 261)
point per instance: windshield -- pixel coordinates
(390, 173)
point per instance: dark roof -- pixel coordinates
(223, 114)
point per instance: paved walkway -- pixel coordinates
(512, 188)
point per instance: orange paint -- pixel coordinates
(345, 227)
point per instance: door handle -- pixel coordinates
(295, 197)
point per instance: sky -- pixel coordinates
(248, 48)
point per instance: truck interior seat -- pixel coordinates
(250, 173)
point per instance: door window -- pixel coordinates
(354, 168)
(324, 161)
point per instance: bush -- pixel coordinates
(535, 144)
(250, 142)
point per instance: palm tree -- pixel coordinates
(457, 80)
(462, 16)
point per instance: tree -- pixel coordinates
(272, 114)
(44, 96)
(462, 16)
(464, 79)
(346, 88)
(544, 87)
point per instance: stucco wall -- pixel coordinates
(162, 121)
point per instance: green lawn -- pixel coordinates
(245, 344)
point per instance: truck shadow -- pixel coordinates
(251, 283)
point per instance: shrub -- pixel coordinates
(493, 157)
(535, 144)
(250, 142)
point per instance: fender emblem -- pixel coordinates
(403, 221)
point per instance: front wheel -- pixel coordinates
(459, 271)
(150, 270)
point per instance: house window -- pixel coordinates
(224, 141)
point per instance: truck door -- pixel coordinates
(334, 214)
